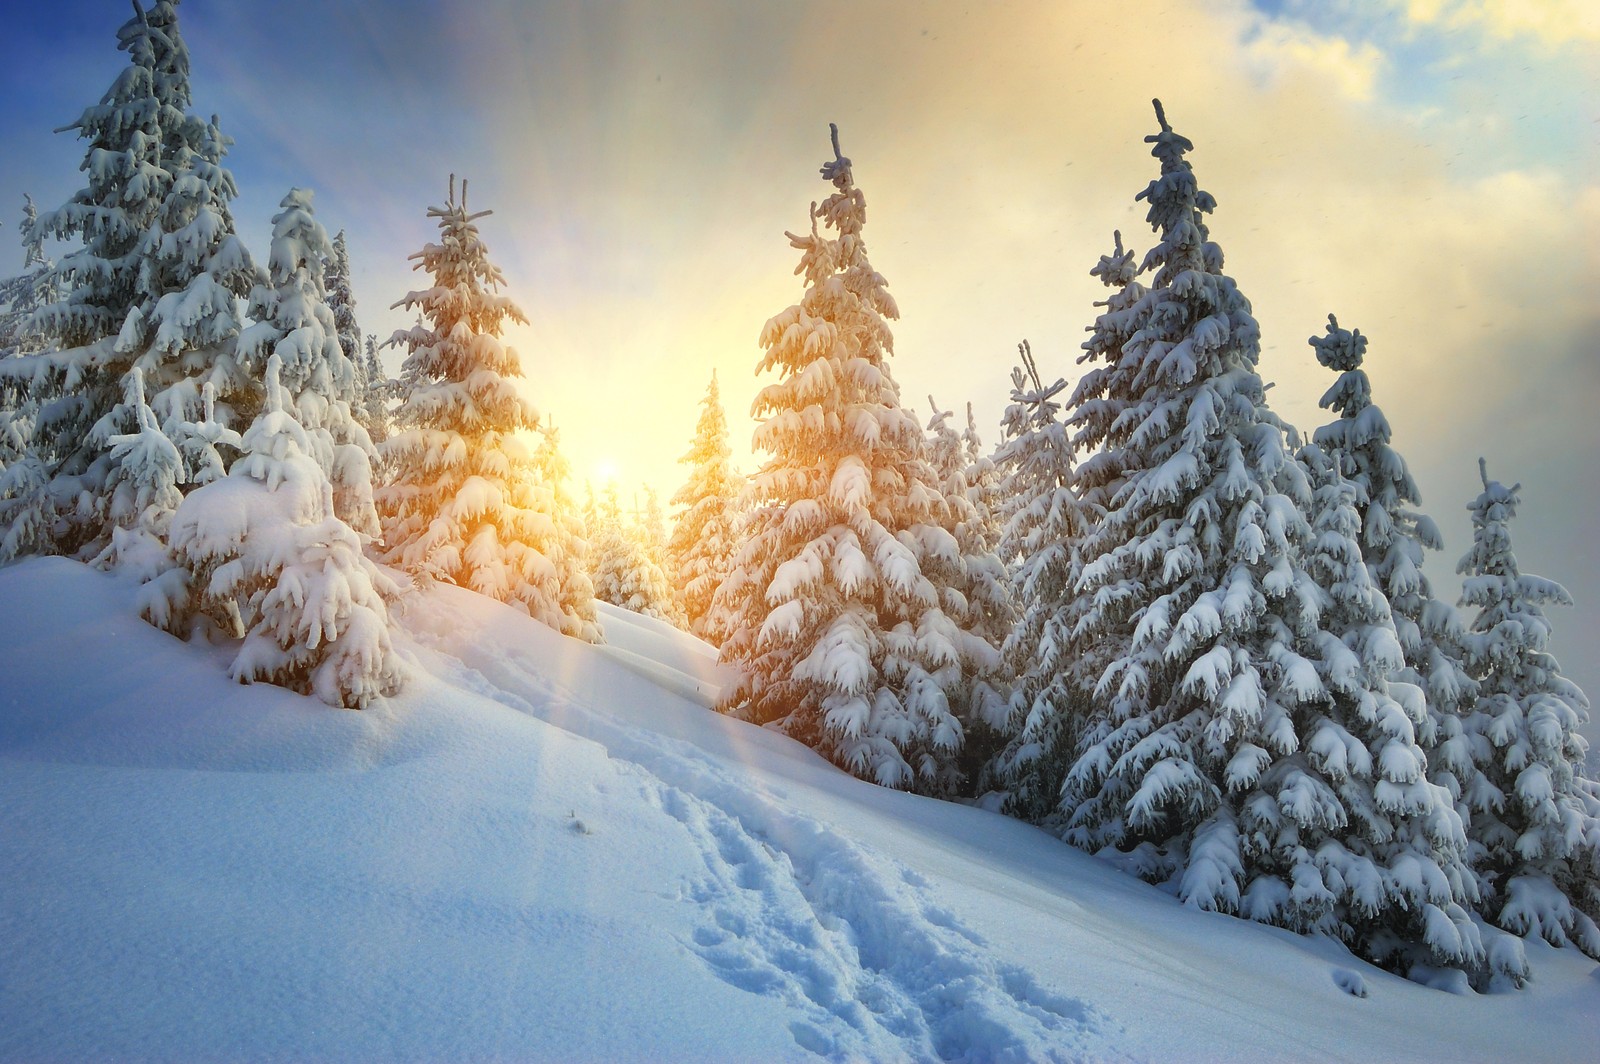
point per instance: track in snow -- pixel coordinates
(854, 942)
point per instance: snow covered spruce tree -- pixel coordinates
(374, 413)
(705, 537)
(1045, 522)
(568, 547)
(35, 287)
(269, 560)
(1240, 744)
(20, 297)
(153, 291)
(625, 570)
(294, 321)
(836, 629)
(1394, 536)
(982, 578)
(342, 302)
(1043, 526)
(1540, 836)
(983, 485)
(460, 502)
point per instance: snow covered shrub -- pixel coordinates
(835, 626)
(263, 556)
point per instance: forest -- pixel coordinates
(1153, 617)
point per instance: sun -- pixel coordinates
(606, 471)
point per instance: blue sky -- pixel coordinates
(1426, 169)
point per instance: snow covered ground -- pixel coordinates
(550, 851)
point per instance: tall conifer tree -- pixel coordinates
(294, 321)
(1394, 536)
(460, 503)
(1239, 715)
(153, 291)
(705, 536)
(836, 629)
(1540, 836)
(1044, 525)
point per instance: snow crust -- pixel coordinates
(545, 850)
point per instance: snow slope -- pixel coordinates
(545, 850)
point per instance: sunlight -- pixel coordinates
(606, 472)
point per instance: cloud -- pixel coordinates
(1551, 23)
(1352, 69)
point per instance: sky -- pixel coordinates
(1424, 169)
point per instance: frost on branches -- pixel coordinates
(1242, 742)
(705, 537)
(262, 555)
(460, 501)
(1540, 836)
(835, 626)
(152, 292)
(1043, 525)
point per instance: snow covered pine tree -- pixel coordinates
(1241, 745)
(1394, 537)
(704, 539)
(1540, 837)
(461, 502)
(1044, 523)
(20, 296)
(153, 291)
(625, 570)
(294, 321)
(342, 302)
(835, 628)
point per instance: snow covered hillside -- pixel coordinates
(546, 850)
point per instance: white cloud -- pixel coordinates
(1352, 70)
(1553, 23)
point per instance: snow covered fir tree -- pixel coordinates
(20, 297)
(1043, 523)
(833, 623)
(1538, 836)
(293, 320)
(1156, 620)
(153, 292)
(1394, 538)
(1241, 741)
(461, 502)
(625, 563)
(705, 535)
(568, 547)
